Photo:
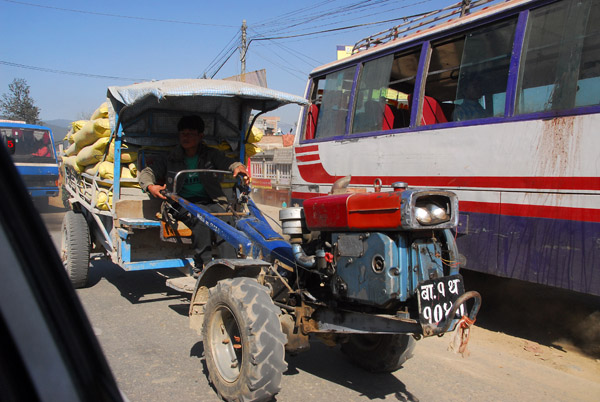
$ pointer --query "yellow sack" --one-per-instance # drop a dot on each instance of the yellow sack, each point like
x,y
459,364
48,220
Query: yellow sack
x,y
92,154
91,131
106,170
72,150
104,200
70,161
101,112
256,135
76,125
133,169
126,156
69,136
224,146
252,150
91,169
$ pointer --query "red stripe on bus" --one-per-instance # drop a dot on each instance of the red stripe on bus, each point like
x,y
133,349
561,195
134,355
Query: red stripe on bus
x,y
558,183
308,158
316,174
309,148
522,210
298,195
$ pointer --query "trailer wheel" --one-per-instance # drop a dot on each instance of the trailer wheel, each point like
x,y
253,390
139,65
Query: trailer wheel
x,y
379,353
243,341
75,248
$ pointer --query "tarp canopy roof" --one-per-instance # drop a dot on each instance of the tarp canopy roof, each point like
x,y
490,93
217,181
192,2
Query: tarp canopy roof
x,y
149,111
194,96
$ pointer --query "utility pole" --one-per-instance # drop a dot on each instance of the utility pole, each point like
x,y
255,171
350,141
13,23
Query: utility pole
x,y
243,48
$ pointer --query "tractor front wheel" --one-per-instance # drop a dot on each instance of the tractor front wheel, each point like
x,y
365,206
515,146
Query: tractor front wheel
x,y
243,341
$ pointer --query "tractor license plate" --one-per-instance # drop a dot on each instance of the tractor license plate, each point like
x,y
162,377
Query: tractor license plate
x,y
436,297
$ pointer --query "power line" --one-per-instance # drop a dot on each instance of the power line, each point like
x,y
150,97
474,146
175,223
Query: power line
x,y
285,68
232,52
224,53
50,70
338,14
364,9
116,15
339,28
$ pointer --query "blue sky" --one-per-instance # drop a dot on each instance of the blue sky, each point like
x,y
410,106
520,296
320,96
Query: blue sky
x,y
61,46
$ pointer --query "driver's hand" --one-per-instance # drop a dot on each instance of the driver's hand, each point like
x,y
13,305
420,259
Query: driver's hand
x,y
156,190
242,170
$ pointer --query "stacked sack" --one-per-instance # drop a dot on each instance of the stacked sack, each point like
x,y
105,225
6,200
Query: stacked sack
x,y
89,140
255,136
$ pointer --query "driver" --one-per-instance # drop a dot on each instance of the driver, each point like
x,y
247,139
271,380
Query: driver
x,y
203,189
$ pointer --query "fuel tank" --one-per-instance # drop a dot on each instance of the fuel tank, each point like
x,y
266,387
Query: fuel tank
x,y
355,211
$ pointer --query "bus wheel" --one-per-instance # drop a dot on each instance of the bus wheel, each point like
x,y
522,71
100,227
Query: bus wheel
x,y
379,353
75,248
243,341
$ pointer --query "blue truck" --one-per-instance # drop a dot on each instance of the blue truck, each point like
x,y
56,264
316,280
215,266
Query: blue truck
x,y
34,155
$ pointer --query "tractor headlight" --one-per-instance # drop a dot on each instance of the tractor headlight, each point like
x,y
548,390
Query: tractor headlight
x,y
430,213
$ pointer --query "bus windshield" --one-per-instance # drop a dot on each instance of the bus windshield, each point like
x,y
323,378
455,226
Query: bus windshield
x,y
31,145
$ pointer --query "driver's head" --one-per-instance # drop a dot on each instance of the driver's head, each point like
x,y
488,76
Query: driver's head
x,y
191,131
191,123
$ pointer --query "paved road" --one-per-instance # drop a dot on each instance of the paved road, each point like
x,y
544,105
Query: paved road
x,y
143,328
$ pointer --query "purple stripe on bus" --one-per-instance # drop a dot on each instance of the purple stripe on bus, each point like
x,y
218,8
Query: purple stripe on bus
x,y
550,252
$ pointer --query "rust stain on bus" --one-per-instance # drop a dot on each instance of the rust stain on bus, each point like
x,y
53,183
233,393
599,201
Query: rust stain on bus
x,y
558,147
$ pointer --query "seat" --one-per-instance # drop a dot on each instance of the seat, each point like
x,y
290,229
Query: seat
x,y
388,118
432,112
311,122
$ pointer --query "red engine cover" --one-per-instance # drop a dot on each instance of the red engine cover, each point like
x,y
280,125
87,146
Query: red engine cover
x,y
354,211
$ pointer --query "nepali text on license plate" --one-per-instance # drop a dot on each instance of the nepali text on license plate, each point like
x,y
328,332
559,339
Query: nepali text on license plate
x,y
436,297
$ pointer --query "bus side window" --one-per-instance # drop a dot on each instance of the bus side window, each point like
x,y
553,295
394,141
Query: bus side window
x,y
468,75
559,62
384,87
331,95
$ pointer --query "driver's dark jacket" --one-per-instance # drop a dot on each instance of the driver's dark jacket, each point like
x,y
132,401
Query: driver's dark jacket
x,y
208,158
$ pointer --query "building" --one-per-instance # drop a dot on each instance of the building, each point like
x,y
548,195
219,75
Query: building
x,y
271,170
268,124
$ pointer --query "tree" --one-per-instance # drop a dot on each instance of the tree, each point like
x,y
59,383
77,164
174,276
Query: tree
x,y
18,105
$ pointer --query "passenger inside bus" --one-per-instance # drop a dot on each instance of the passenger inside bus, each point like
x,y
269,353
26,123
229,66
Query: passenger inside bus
x,y
471,92
42,144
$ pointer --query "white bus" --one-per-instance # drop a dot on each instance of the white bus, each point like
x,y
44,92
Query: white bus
x,y
500,105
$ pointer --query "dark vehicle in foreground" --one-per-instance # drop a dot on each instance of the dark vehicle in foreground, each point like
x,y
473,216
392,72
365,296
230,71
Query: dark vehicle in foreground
x,y
49,351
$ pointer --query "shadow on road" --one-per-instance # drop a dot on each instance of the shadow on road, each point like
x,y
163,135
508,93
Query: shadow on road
x,y
331,365
49,208
135,285
549,316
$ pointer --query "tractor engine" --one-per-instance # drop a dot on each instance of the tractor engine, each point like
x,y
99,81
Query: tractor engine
x,y
373,248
